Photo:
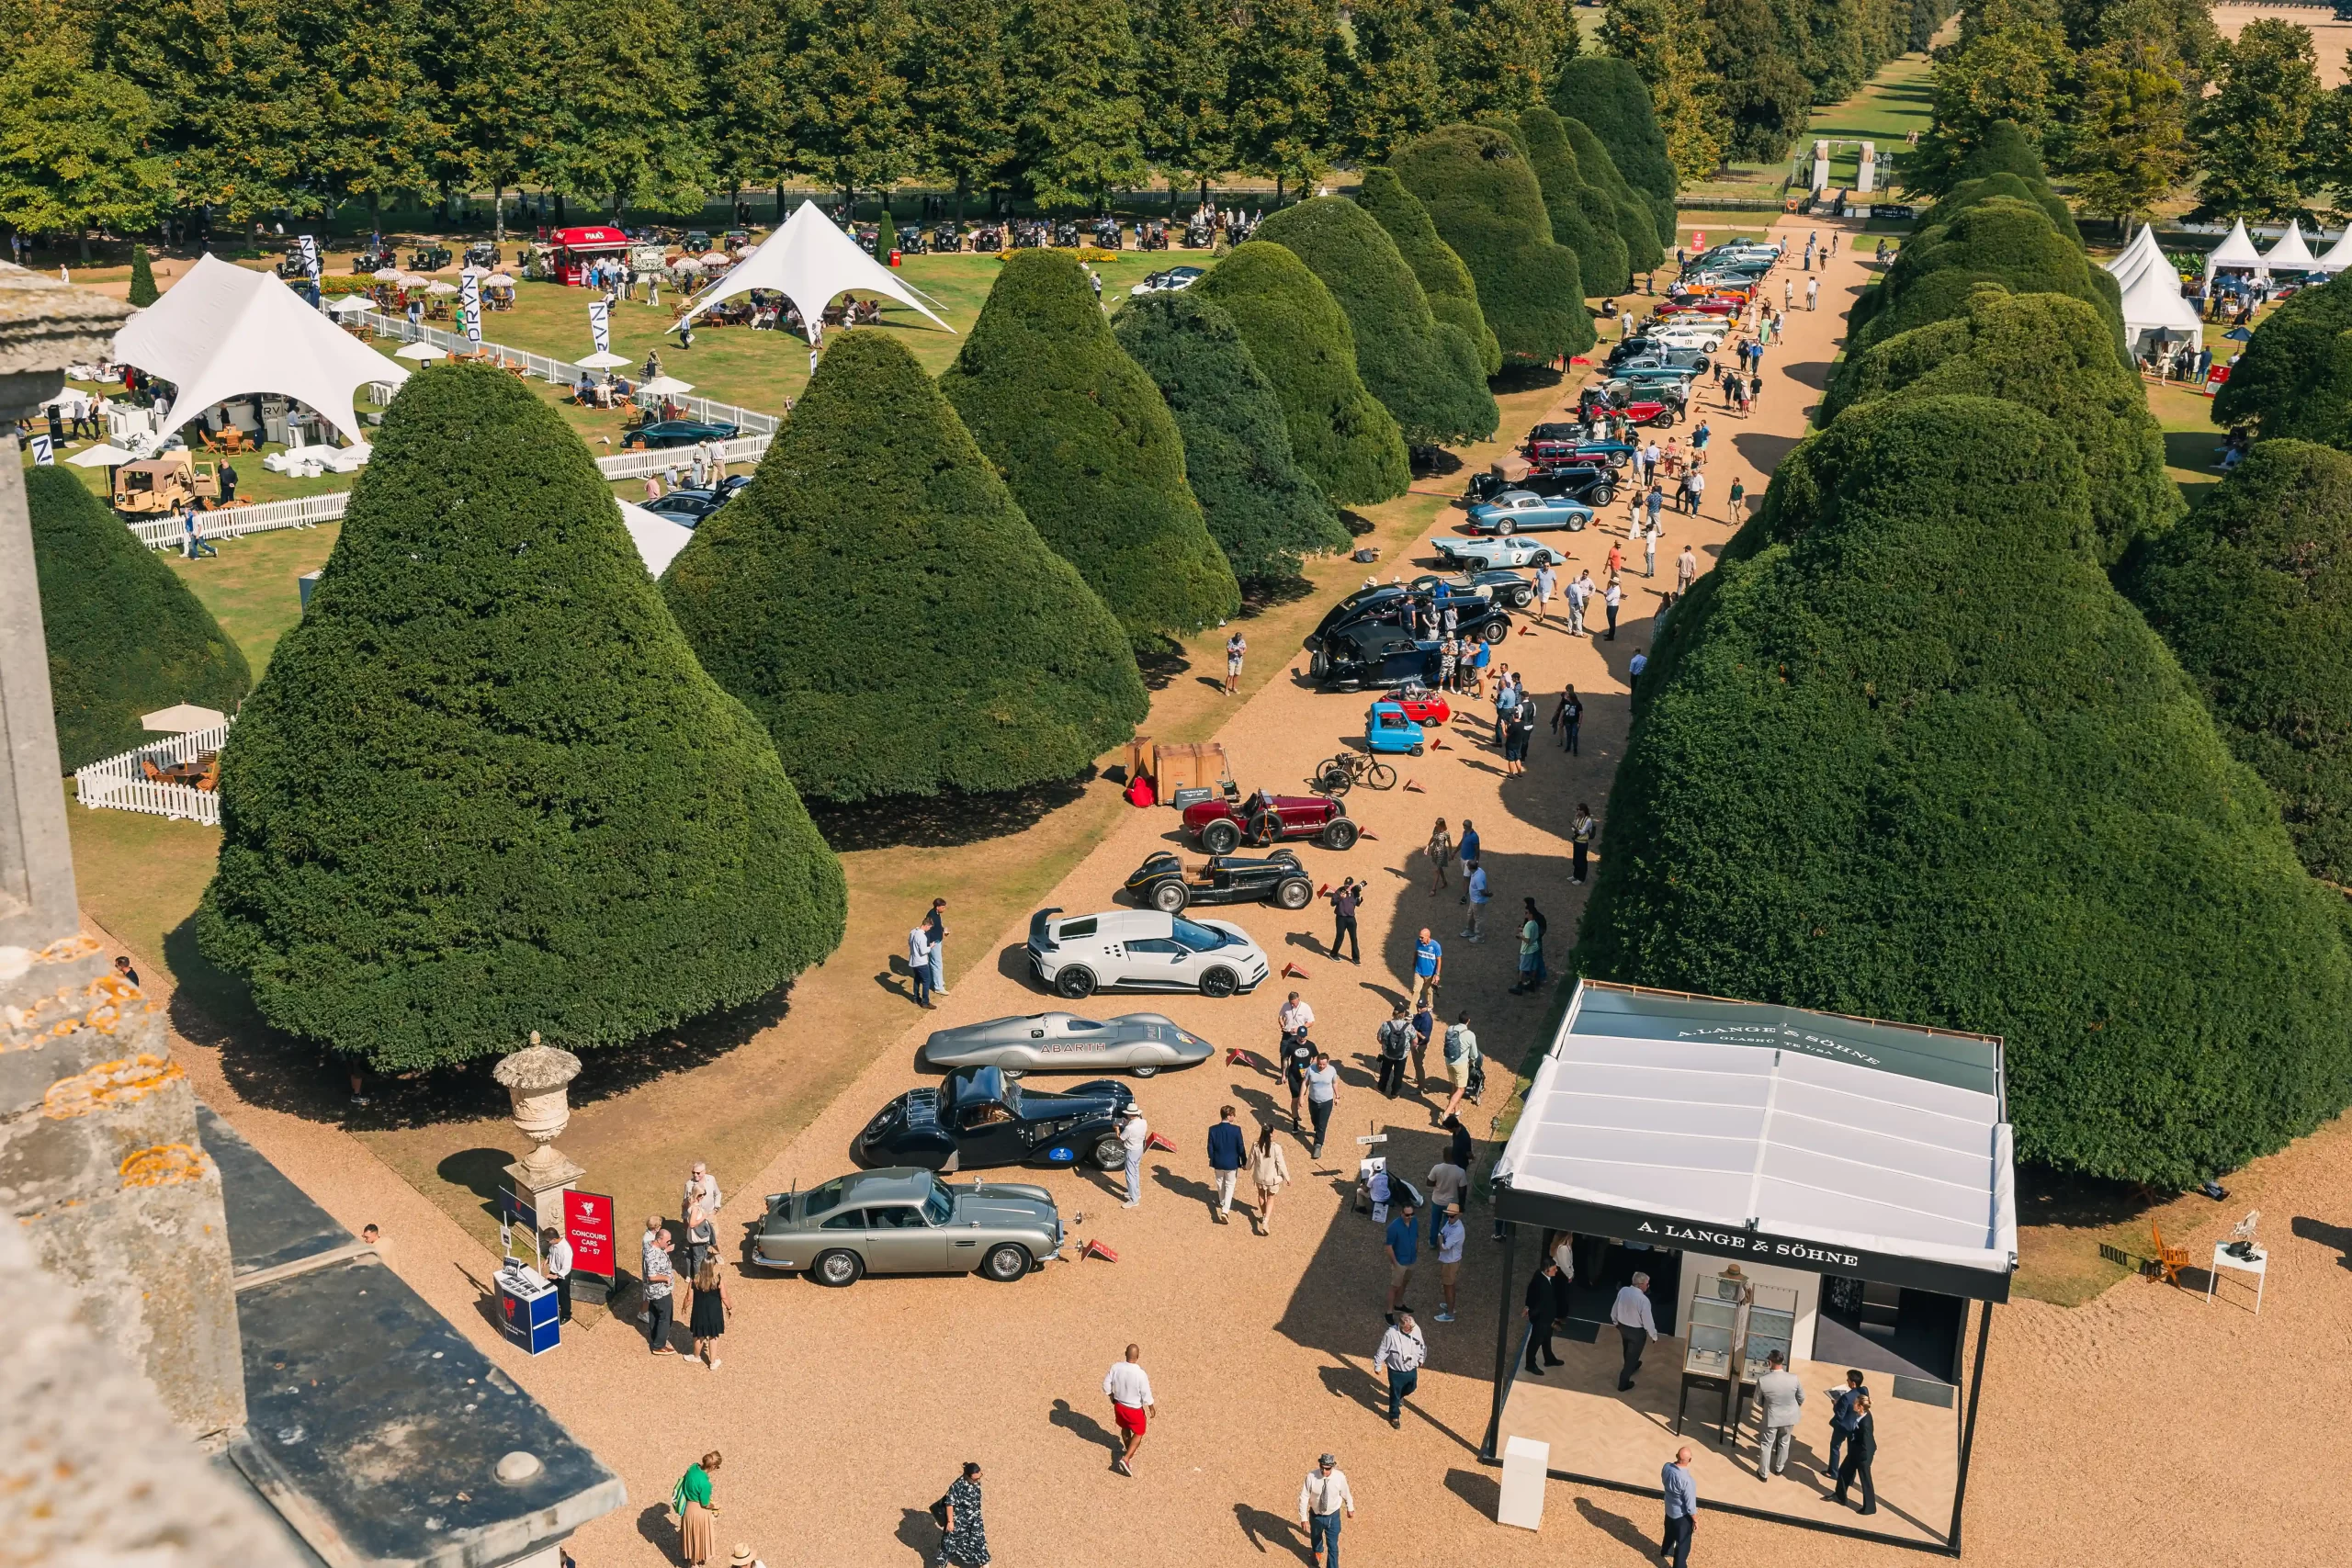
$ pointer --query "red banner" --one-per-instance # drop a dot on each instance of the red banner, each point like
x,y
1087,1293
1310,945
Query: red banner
x,y
588,1226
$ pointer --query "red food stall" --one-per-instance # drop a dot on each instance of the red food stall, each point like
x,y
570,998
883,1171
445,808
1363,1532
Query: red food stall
x,y
575,248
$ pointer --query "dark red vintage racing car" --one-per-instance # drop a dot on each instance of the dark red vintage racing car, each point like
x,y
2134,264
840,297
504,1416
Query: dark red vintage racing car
x,y
1261,818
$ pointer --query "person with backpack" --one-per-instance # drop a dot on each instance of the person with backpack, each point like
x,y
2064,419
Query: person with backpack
x,y
1462,1064
1395,1039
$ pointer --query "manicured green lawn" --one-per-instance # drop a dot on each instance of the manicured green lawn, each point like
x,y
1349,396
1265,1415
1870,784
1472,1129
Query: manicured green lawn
x,y
1886,110
251,586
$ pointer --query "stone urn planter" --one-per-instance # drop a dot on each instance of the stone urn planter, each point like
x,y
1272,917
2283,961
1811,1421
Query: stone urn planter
x,y
537,1078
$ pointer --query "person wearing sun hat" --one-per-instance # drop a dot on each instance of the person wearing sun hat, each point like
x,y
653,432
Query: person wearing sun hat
x,y
744,1558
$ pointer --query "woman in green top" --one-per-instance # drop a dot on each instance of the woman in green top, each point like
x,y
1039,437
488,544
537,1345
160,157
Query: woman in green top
x,y
694,1510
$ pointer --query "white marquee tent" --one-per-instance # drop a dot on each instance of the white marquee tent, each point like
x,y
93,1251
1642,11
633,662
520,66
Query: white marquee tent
x,y
2337,257
2138,257
2236,249
808,261
225,331
2289,255
658,539
2153,302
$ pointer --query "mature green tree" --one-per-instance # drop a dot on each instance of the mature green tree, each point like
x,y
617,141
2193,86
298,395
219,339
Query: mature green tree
x,y
1388,79
1341,433
1424,372
1184,54
1762,99
1663,43
493,99
1584,216
1263,508
230,95
1278,91
2295,379
748,115
622,128
1486,204
1645,246
2254,595
1608,94
484,788
1074,81
1501,55
2055,355
1913,757
74,150
2133,143
364,124
847,105
1452,292
1090,449
2255,151
125,635
143,291
959,94
2011,75
877,600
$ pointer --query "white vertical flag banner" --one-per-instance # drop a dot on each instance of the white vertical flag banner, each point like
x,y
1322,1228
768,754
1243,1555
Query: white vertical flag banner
x,y
600,325
44,452
470,305
309,255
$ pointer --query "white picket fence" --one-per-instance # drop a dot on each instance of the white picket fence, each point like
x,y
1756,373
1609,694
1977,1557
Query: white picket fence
x,y
168,534
121,784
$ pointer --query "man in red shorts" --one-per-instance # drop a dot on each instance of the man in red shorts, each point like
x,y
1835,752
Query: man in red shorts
x,y
1130,1393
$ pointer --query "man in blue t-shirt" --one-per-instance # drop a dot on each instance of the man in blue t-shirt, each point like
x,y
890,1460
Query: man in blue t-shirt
x,y
1404,1247
1429,967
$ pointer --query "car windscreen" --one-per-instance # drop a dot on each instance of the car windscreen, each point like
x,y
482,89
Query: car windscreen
x,y
939,1207
1198,938
826,1198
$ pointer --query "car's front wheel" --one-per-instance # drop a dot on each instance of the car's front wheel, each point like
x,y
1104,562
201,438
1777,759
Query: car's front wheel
x,y
1221,837
1074,981
1523,598
1006,1264
1602,496
1416,749
1219,982
1295,894
837,1269
1144,1070
1111,1155
1339,834
1494,631
1169,898
1504,527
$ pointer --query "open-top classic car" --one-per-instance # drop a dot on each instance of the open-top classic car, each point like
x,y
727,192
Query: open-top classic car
x,y
1223,823
977,1119
1139,1043
1164,881
907,1220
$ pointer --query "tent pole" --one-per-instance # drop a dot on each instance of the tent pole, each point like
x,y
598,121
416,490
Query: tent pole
x,y
1968,1430
1503,1357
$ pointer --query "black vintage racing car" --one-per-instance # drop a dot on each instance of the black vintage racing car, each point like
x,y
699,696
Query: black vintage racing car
x,y
1165,882
978,1119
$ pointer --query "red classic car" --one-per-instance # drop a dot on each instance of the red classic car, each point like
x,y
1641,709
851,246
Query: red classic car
x,y
1262,817
1422,706
1704,305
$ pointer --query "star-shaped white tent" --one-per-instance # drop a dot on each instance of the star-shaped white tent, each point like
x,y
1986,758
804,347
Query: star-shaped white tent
x,y
811,262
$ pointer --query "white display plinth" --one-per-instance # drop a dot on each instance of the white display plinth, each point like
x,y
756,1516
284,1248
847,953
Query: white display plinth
x,y
1525,1465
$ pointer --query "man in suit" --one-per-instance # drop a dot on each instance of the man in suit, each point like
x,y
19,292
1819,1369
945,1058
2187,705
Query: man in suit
x,y
1841,1416
1542,1295
1860,1450
1779,1397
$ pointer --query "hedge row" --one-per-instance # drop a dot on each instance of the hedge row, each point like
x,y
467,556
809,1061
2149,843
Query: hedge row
x,y
1911,756
1485,203
1584,216
878,600
125,635
1452,292
484,787
1635,224
1609,95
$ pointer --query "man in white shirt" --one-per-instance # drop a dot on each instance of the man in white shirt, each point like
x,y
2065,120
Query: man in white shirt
x,y
555,1256
1322,1502
1636,1327
1402,1351
1131,1406
701,1188
1450,1237
1132,1133
918,964
1294,1020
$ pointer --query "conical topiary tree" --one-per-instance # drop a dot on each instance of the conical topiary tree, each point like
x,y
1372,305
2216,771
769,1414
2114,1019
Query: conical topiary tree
x,y
484,788
1341,436
1453,293
2000,241
1609,95
1261,506
1090,451
1423,371
1645,248
2253,591
1485,201
886,235
125,635
1915,758
1584,216
2295,377
877,600
2053,353
143,292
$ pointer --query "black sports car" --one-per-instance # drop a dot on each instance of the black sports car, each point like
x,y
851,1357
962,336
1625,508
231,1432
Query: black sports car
x,y
1595,486
1165,882
978,1119
1507,587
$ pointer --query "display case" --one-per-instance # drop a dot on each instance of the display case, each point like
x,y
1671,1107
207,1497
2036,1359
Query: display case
x,y
1712,1336
1771,1325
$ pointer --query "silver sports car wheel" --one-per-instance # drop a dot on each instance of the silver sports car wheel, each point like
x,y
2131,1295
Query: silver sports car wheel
x,y
1143,1072
1006,1264
836,1268
1111,1155
1169,898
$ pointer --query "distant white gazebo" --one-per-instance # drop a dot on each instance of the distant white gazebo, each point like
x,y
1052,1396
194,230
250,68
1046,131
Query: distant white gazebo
x,y
2236,250
2289,258
2338,256
811,263
2152,305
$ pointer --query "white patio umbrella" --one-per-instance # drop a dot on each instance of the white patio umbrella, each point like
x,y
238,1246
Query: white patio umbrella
x,y
420,351
351,305
667,387
102,456
717,261
389,275
498,280
183,719
602,359
441,286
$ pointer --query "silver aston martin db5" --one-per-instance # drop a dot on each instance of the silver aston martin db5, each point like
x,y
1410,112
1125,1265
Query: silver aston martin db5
x,y
904,1221
1137,1043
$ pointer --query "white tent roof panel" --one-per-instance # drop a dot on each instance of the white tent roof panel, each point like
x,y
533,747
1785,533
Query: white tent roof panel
x,y
2338,256
657,538
810,262
2289,254
2236,249
1764,1124
2138,257
225,331
2153,301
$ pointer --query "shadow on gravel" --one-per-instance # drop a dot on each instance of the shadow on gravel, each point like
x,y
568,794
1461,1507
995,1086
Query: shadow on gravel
x,y
947,820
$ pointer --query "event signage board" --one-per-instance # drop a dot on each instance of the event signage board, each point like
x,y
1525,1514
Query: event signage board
x,y
512,1211
1680,1235
600,326
588,1226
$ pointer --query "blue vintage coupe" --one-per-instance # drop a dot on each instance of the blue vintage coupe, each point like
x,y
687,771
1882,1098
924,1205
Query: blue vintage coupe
x,y
1524,511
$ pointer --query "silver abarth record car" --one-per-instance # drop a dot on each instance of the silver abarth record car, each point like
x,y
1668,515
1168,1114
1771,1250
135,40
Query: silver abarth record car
x,y
904,1221
1137,1043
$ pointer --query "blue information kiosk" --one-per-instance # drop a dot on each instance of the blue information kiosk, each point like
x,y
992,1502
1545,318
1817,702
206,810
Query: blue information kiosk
x,y
526,1307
